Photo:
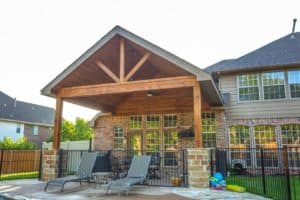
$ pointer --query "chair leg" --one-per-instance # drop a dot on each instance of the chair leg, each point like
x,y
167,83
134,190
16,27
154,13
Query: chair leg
x,y
62,187
107,188
45,189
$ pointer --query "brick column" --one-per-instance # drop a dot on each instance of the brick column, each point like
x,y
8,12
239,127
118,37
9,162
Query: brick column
x,y
198,167
221,131
49,165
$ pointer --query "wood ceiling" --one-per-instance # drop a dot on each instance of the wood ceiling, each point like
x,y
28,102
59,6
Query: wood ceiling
x,y
92,72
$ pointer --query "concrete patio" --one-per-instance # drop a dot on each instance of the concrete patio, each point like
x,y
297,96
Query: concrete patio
x,y
33,189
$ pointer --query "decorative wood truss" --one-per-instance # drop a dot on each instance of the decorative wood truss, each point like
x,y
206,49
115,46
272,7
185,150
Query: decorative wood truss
x,y
123,83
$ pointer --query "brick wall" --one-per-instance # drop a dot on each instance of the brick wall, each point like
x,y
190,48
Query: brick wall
x,y
44,133
103,129
198,167
49,165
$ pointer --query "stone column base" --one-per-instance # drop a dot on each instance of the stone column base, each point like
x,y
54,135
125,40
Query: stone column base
x,y
198,167
49,165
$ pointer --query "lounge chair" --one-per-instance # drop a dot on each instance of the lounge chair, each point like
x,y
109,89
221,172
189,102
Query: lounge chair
x,y
84,172
137,174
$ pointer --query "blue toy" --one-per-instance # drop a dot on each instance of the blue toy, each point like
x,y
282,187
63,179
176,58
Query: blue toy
x,y
217,181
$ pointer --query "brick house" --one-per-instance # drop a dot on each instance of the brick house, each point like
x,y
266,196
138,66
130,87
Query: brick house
x,y
21,119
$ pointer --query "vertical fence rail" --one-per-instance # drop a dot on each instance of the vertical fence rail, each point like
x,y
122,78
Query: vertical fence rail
x,y
263,171
287,170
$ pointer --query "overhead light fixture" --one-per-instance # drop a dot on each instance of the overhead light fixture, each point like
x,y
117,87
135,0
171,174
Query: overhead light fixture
x,y
149,94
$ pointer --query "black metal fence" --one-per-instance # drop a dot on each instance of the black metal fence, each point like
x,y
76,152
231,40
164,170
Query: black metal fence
x,y
273,173
19,164
167,168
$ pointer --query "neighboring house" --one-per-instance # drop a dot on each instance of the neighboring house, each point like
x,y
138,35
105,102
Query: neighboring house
x,y
262,93
18,119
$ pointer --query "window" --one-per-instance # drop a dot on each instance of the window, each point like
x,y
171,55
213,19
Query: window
x,y
265,136
18,129
273,85
239,137
152,121
170,121
153,141
118,137
34,130
294,83
170,145
248,87
135,122
290,134
209,129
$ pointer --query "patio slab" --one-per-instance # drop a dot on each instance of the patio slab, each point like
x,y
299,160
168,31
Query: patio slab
x,y
33,189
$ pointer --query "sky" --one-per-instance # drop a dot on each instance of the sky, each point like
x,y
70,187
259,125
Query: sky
x,y
39,38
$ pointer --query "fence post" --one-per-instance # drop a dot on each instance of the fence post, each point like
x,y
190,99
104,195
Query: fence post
x,y
1,162
263,171
211,162
286,165
41,164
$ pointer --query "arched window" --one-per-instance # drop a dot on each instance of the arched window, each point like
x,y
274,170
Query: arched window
x,y
290,134
265,136
239,136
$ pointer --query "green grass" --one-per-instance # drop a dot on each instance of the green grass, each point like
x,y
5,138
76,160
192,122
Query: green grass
x,y
276,186
21,175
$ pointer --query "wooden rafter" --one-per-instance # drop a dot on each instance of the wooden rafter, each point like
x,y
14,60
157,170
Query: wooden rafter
x,y
137,66
122,59
107,71
127,87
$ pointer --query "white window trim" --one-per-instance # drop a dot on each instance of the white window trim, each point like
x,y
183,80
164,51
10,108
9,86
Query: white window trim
x,y
238,88
262,85
287,83
121,148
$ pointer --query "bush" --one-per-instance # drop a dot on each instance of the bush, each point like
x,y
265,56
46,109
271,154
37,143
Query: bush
x,y
21,143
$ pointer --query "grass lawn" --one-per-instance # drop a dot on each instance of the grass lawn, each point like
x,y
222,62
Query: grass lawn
x,y
21,175
276,186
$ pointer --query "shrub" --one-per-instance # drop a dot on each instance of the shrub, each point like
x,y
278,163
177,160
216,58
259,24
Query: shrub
x,y
21,143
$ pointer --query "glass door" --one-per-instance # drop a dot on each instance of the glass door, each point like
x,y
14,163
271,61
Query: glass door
x,y
135,143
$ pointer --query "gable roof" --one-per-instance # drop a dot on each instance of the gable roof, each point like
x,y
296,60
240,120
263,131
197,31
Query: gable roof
x,y
14,110
284,51
117,30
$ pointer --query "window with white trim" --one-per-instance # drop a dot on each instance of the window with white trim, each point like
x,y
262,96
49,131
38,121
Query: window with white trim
x,y
294,83
18,129
290,134
273,85
248,87
239,136
135,122
152,121
170,121
152,141
118,137
34,130
209,129
265,136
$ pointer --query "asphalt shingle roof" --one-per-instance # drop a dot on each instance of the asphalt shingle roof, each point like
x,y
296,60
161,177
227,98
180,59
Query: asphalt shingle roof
x,y
284,51
11,109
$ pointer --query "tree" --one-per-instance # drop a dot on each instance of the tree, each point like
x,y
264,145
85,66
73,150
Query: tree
x,y
20,143
74,132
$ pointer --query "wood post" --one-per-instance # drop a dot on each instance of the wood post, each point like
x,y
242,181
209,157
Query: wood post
x,y
57,123
197,115
122,59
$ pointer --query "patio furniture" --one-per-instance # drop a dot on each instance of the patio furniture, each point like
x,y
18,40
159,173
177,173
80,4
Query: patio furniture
x,y
84,172
138,172
154,166
102,178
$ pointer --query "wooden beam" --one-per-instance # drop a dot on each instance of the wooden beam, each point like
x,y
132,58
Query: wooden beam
x,y
57,123
122,59
107,71
137,66
127,87
197,115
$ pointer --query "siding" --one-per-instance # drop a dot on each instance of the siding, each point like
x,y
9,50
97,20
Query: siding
x,y
8,129
258,109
